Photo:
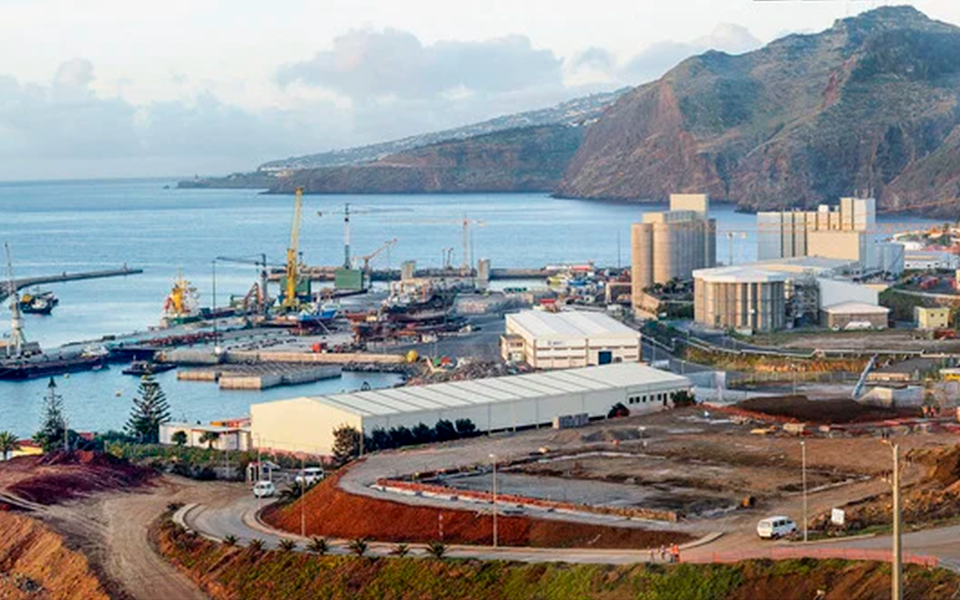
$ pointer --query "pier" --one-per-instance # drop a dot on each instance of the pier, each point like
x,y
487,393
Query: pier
x,y
7,288
323,273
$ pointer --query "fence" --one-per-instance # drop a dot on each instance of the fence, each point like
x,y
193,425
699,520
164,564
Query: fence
x,y
780,553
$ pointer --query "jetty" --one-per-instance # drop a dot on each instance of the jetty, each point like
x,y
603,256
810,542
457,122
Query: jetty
x,y
7,288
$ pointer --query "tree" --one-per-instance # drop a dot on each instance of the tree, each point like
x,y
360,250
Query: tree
x,y
466,428
53,426
437,550
318,545
683,398
422,434
379,440
346,444
400,437
358,546
288,545
400,550
445,431
179,438
8,444
209,438
150,410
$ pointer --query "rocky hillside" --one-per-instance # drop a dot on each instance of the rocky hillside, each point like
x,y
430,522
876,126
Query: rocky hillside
x,y
527,159
869,106
571,112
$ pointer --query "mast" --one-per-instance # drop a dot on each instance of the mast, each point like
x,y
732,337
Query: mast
x,y
15,346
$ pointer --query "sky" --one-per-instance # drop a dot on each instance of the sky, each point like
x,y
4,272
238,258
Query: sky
x,y
110,88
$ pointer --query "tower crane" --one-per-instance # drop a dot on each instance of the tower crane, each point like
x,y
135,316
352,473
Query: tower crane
x,y
263,298
15,344
466,266
346,212
290,300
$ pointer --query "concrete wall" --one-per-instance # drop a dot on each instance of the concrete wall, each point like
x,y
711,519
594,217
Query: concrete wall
x,y
298,425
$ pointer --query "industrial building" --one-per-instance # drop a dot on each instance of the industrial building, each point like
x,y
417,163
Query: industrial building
x,y
776,294
306,424
847,231
931,261
672,244
740,298
227,436
931,318
567,339
855,315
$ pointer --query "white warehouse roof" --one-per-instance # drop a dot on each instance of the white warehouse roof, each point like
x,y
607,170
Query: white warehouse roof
x,y
540,323
479,392
859,308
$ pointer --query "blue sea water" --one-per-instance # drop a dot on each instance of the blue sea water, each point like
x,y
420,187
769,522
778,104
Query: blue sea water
x,y
88,225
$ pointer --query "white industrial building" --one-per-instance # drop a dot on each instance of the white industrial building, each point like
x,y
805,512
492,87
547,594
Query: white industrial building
x,y
227,437
306,424
567,340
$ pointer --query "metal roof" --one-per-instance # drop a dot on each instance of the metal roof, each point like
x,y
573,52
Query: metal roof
x,y
541,323
480,392
860,308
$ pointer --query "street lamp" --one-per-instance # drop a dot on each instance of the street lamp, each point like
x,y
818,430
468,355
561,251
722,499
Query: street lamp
x,y
493,457
897,583
303,489
803,454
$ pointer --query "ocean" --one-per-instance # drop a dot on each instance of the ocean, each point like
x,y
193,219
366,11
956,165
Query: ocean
x,y
53,227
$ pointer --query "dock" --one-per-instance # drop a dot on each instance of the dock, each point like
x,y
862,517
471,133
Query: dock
x,y
259,376
7,288
321,273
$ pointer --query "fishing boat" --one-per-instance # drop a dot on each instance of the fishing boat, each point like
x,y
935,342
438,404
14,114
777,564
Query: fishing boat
x,y
38,303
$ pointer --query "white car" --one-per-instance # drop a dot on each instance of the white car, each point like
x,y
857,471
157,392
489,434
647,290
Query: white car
x,y
310,475
264,489
773,528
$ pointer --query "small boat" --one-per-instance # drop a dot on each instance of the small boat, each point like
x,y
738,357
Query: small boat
x,y
142,367
38,303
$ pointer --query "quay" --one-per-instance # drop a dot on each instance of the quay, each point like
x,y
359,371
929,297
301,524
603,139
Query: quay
x,y
323,273
7,288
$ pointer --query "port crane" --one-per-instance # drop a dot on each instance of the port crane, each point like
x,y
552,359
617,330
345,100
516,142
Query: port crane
x,y
16,341
290,299
369,257
466,266
263,300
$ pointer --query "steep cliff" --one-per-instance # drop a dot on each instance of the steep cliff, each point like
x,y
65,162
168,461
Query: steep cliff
x,y
527,159
868,106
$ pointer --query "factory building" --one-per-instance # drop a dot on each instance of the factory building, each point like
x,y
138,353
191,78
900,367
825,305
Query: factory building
x,y
672,244
845,232
306,424
567,339
740,298
855,315
931,318
776,294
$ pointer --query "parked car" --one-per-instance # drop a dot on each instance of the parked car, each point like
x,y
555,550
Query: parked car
x,y
773,528
310,475
264,489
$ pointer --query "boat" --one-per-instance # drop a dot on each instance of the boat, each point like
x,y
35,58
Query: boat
x,y
38,303
180,305
144,367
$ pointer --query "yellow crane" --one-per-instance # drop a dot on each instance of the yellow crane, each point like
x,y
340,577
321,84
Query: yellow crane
x,y
290,300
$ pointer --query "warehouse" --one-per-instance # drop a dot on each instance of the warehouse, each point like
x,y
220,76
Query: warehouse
x,y
854,315
567,340
306,424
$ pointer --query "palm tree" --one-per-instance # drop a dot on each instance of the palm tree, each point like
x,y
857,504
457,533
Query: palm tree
x,y
288,545
256,545
400,550
8,444
179,438
437,550
359,546
230,540
209,438
318,545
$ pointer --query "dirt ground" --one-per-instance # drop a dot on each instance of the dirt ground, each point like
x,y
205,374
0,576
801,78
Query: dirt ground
x,y
822,412
890,339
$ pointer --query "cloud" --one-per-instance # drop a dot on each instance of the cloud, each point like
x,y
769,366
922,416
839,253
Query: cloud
x,y
659,58
367,64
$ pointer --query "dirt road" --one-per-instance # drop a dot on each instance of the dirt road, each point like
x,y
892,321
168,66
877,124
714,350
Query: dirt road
x,y
112,530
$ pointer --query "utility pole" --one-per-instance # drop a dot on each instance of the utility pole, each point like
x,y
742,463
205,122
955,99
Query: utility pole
x,y
803,453
303,488
494,458
897,548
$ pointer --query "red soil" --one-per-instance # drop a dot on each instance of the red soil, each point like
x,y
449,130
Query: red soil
x,y
331,512
54,478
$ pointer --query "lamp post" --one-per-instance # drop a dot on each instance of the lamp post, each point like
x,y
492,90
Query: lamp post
x,y
803,454
897,591
303,488
493,457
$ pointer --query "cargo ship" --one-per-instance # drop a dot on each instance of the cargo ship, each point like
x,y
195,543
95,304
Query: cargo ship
x,y
180,305
44,365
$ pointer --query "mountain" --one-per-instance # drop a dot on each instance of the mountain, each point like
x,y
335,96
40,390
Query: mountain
x,y
572,112
868,106
528,159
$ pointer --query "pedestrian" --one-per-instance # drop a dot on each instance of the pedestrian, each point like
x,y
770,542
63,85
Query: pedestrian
x,y
653,555
675,551
663,553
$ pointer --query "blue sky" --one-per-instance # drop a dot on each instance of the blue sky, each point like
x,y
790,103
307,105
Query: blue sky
x,y
108,88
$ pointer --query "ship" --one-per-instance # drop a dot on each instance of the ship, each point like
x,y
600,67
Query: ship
x,y
144,367
180,305
426,310
38,303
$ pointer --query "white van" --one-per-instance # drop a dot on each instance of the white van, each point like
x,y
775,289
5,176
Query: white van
x,y
310,475
264,489
773,528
